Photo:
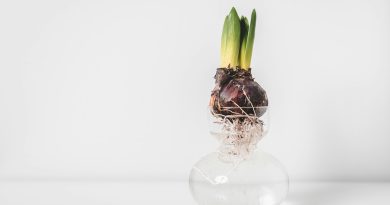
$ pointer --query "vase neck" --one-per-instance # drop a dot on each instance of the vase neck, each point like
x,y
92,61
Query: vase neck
x,y
239,139
237,149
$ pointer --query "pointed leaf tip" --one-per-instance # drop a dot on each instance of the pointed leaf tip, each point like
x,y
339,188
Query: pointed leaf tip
x,y
233,10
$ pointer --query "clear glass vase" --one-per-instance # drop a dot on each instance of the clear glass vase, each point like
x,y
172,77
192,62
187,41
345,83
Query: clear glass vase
x,y
238,172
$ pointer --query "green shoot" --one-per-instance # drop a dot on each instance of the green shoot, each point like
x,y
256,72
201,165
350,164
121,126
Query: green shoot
x,y
244,38
247,43
230,43
237,40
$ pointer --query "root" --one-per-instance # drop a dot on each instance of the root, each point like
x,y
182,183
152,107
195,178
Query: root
x,y
239,135
246,96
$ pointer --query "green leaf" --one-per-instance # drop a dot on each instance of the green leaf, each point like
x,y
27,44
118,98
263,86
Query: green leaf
x,y
224,37
244,37
230,41
245,58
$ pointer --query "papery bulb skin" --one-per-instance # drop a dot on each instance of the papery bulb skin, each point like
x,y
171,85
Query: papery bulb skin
x,y
237,93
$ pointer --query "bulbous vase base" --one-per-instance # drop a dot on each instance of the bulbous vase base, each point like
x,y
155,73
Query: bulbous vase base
x,y
258,180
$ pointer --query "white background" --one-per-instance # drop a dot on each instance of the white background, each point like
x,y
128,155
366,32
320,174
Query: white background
x,y
119,89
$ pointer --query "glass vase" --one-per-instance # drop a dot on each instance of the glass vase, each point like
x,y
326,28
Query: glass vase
x,y
239,172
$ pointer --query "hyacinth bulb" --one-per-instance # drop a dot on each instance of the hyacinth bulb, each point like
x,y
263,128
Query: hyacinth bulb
x,y
237,93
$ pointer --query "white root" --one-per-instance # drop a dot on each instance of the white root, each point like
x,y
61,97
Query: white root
x,y
239,135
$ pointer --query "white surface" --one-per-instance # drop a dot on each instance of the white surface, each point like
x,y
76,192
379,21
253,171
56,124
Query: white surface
x,y
120,88
338,193
147,193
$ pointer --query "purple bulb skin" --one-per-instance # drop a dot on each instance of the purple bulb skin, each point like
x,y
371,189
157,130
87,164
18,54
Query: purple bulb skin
x,y
237,93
